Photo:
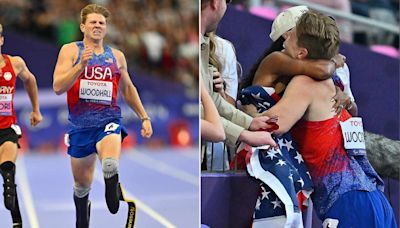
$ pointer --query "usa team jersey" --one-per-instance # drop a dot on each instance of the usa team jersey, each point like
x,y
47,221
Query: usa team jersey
x,y
334,170
92,100
7,89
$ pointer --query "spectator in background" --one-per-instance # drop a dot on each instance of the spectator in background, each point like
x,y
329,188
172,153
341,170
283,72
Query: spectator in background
x,y
225,82
13,11
210,123
379,10
386,11
66,23
223,58
235,122
154,44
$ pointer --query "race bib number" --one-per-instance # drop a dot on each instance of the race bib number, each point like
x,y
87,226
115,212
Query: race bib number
x,y
96,91
353,133
5,104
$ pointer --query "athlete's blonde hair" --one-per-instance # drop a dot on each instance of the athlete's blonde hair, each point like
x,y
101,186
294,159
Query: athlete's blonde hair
x,y
319,34
93,8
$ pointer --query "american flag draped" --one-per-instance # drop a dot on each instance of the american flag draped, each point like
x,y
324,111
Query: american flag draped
x,y
285,182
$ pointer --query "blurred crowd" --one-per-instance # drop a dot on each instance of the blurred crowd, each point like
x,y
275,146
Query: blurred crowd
x,y
385,11
158,36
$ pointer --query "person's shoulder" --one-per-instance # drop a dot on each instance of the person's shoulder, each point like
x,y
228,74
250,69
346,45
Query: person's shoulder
x,y
117,53
273,59
300,80
69,48
311,86
116,50
276,56
225,44
223,41
70,45
16,60
17,63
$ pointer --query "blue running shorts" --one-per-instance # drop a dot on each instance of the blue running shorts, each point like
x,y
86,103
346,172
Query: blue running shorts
x,y
364,209
82,142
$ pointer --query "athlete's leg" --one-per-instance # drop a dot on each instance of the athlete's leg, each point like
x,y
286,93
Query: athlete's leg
x,y
8,152
109,149
8,156
82,170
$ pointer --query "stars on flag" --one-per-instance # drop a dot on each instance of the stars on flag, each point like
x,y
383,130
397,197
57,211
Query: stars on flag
x,y
298,157
264,193
256,96
288,144
281,162
276,203
272,153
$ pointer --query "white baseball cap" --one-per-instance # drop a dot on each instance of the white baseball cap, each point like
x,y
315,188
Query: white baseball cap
x,y
286,20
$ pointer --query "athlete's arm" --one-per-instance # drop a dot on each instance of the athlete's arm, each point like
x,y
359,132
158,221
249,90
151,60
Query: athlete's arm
x,y
211,125
249,109
65,73
279,64
131,95
293,105
30,86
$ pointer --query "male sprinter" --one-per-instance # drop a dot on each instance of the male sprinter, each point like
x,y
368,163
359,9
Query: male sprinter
x,y
10,68
91,73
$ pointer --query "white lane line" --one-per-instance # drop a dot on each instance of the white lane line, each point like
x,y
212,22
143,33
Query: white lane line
x,y
191,155
164,168
26,192
140,205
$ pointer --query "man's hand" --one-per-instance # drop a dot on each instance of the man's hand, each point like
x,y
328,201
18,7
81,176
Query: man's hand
x,y
342,101
86,55
257,138
218,82
35,118
147,130
262,122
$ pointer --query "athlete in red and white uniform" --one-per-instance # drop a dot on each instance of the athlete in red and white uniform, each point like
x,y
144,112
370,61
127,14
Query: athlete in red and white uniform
x,y
11,68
